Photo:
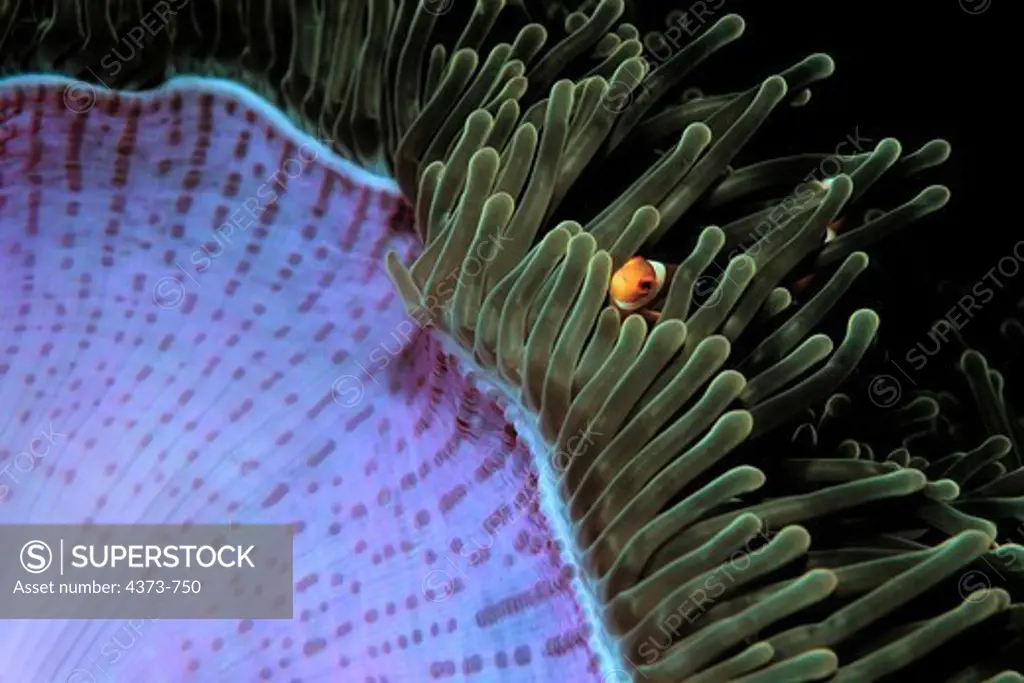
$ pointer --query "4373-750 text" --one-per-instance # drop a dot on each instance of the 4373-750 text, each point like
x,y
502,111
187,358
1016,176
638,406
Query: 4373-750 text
x,y
160,586
138,587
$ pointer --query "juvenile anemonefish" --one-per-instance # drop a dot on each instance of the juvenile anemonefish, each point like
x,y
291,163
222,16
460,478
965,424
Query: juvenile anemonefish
x,y
832,231
639,287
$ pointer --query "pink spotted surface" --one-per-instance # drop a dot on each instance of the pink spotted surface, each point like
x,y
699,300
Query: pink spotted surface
x,y
263,372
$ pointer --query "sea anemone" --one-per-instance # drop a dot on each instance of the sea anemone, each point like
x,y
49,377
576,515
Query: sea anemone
x,y
651,524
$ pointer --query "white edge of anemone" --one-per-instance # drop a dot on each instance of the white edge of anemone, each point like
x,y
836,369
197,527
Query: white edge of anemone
x,y
219,86
610,660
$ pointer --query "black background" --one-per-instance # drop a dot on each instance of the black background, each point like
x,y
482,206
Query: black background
x,y
913,71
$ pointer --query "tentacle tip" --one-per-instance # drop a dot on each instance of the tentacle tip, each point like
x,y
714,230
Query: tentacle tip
x,y
824,340
950,487
759,477
828,579
697,128
740,420
935,196
840,184
827,660
919,478
565,85
801,99
480,117
944,148
647,211
799,534
864,317
712,232
392,260
828,64
696,134
1002,442
979,539
731,375
501,196
858,261
887,143
734,23
972,357
775,86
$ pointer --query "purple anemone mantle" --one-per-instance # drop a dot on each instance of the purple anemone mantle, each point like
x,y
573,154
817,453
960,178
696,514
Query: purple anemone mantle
x,y
194,306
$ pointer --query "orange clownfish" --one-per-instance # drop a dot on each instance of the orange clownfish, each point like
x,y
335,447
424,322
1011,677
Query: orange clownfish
x,y
638,285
